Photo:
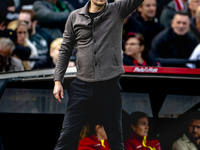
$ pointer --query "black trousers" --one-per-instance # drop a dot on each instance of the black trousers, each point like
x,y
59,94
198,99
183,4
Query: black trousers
x,y
103,96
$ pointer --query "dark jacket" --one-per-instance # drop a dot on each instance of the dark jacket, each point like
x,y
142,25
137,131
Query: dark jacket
x,y
194,30
49,19
151,29
130,61
44,63
168,45
99,46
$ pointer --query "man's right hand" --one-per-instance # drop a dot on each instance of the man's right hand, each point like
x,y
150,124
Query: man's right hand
x,y
58,91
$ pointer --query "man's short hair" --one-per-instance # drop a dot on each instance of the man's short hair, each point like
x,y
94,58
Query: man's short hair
x,y
31,12
193,115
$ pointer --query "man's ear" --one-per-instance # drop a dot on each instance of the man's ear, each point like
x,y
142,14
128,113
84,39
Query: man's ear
x,y
139,9
172,22
35,22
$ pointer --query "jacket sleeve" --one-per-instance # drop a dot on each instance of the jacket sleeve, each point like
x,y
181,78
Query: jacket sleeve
x,y
65,51
179,145
126,7
47,15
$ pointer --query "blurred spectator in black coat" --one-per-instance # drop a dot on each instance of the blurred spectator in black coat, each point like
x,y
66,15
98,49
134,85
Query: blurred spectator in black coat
x,y
173,43
8,10
147,16
52,15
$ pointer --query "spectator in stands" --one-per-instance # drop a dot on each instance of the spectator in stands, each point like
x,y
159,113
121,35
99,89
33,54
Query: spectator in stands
x,y
139,136
23,4
147,16
4,32
24,43
192,6
170,9
175,42
8,9
177,5
35,33
131,24
134,47
191,138
7,61
195,24
52,15
50,62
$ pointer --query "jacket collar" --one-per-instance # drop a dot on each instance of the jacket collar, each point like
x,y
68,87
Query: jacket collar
x,y
185,138
84,9
138,138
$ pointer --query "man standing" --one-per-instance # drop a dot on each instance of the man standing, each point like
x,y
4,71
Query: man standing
x,y
96,29
191,138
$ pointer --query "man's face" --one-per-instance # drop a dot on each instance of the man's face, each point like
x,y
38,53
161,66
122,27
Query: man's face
x,y
99,2
26,18
194,128
193,5
4,54
180,24
148,9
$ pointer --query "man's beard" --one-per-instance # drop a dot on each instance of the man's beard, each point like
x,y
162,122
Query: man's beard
x,y
30,31
193,139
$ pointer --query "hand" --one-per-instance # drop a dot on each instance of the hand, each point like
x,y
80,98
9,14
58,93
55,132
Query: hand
x,y
11,8
58,91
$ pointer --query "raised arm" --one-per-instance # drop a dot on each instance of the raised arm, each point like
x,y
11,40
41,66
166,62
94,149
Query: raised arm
x,y
126,7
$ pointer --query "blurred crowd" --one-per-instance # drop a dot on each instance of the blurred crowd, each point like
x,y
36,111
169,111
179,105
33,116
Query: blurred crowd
x,y
158,33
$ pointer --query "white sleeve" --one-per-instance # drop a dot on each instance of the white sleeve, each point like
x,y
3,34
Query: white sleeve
x,y
194,56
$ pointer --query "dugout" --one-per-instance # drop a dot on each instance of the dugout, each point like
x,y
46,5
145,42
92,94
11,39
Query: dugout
x,y
31,118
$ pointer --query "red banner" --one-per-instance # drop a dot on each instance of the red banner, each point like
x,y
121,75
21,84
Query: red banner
x,y
161,70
